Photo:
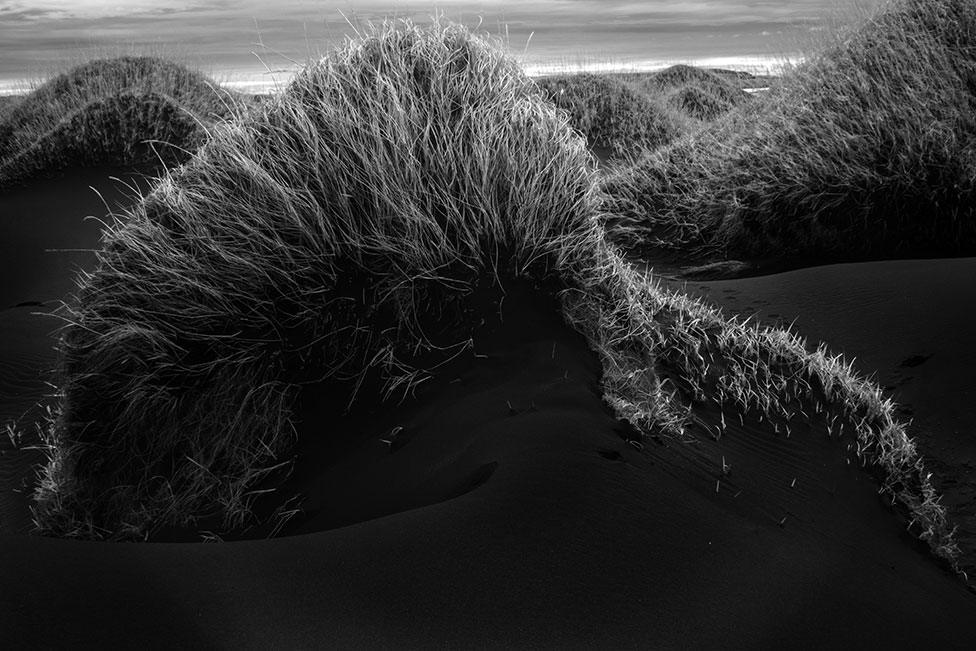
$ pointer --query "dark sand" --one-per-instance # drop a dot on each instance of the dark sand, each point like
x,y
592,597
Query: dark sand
x,y
910,324
46,238
511,510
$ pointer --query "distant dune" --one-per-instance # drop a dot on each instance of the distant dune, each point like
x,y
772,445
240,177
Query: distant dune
x,y
613,116
124,111
864,150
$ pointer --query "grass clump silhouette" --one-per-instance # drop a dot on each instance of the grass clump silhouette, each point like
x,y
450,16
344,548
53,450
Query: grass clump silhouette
x,y
867,149
339,231
612,115
107,111
309,239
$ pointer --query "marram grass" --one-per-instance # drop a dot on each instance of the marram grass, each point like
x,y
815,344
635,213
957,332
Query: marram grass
x,y
666,356
316,236
699,103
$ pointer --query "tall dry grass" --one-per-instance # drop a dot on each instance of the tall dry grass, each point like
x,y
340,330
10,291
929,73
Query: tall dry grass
x,y
311,239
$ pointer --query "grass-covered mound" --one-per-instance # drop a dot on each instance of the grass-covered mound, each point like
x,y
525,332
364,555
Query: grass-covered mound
x,y
116,130
612,115
699,103
342,232
313,239
680,370
675,78
868,149
109,111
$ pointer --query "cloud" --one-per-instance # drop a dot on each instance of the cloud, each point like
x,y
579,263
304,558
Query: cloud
x,y
59,10
224,32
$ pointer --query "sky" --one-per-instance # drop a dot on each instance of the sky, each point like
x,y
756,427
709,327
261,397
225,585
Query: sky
x,y
259,42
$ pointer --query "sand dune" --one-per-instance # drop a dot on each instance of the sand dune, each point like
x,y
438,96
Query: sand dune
x,y
122,111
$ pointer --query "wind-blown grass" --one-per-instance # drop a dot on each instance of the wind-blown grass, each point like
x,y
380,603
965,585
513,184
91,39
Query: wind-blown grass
x,y
611,114
867,149
666,356
339,232
110,110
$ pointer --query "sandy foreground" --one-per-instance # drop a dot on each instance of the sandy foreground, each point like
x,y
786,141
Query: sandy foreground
x,y
511,508
909,323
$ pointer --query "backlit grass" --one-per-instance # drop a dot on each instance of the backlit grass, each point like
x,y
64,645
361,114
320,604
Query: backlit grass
x,y
667,357
312,239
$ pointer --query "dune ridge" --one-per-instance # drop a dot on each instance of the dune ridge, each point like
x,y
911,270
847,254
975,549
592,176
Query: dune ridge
x,y
699,103
625,115
700,93
125,129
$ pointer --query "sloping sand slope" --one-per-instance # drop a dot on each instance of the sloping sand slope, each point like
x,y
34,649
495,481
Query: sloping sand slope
x,y
46,238
911,323
511,510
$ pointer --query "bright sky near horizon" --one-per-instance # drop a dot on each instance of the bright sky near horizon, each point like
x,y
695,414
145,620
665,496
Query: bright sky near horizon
x,y
237,40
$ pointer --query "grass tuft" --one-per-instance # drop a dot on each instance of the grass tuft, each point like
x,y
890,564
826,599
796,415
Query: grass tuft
x,y
678,77
312,238
668,358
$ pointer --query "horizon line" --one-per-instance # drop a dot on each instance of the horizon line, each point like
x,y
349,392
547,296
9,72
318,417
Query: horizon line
x,y
263,83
